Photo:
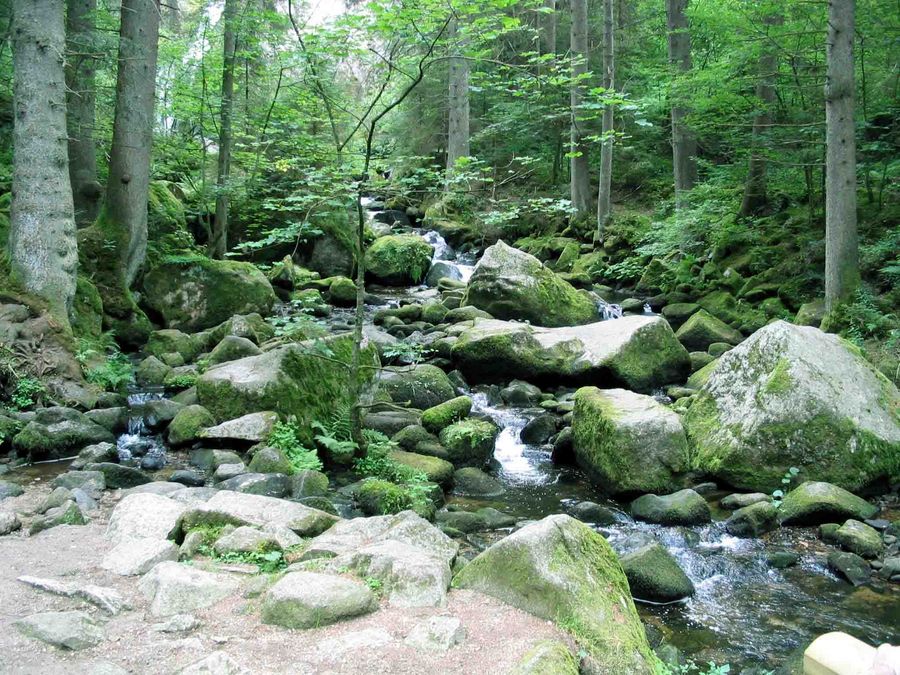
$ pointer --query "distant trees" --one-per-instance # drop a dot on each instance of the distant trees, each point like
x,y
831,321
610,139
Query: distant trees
x,y
684,144
580,183
604,195
218,244
457,103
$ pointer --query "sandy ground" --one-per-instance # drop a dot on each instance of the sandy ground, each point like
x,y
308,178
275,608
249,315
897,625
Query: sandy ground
x,y
497,636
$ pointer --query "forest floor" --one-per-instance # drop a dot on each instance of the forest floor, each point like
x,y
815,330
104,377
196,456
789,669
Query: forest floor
x,y
497,636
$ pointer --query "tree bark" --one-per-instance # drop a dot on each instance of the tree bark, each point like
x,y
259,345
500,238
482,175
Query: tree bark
x,y
684,144
841,242
80,103
755,192
125,209
604,197
42,246
580,184
458,107
219,243
547,22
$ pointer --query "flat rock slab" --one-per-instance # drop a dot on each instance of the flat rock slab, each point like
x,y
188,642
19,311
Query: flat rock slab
x,y
309,600
144,516
66,630
252,428
107,599
226,507
178,589
135,557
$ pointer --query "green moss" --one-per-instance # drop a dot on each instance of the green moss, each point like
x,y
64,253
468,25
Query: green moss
x,y
444,414
779,381
657,357
187,424
699,379
470,441
87,321
547,657
399,259
380,497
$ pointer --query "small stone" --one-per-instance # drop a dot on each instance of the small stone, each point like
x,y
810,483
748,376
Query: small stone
x,y
753,520
850,566
245,540
217,663
9,522
227,471
188,478
66,630
589,512
782,559
654,575
308,599
738,501
67,514
685,507
180,623
439,633
859,538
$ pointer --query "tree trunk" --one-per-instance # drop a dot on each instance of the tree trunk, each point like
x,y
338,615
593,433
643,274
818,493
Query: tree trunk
x,y
458,107
755,192
580,187
42,246
604,197
684,145
841,244
80,96
219,243
547,23
125,209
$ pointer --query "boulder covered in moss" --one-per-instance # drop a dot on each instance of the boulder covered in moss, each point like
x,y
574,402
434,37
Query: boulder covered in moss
x,y
703,329
192,293
58,432
628,442
654,575
470,442
173,341
399,260
377,497
817,502
511,284
684,507
422,386
444,414
435,469
187,424
290,380
560,570
793,396
342,292
87,309
640,353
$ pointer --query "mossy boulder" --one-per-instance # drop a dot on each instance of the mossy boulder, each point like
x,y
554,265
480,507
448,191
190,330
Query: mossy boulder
x,y
152,372
270,460
435,469
511,284
469,442
473,482
193,293
58,432
640,353
399,260
753,520
251,326
654,575
811,313
87,309
859,538
684,507
438,417
547,657
377,497
342,292
232,348
560,570
793,396
422,386
290,380
703,329
173,341
628,442
167,229
187,424
679,312
817,502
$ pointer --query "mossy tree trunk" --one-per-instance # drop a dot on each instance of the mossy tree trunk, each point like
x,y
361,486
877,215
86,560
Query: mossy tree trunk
x,y
219,243
841,239
580,183
42,245
684,144
80,100
124,214
604,196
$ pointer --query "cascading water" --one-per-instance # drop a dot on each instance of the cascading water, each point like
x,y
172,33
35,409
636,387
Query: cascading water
x,y
139,442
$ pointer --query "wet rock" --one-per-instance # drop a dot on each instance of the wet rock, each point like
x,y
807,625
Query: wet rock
x,y
270,460
470,442
153,462
173,588
811,503
628,442
849,566
308,483
211,460
684,507
654,575
265,484
8,490
539,429
391,422
308,600
584,585
134,557
703,329
66,630
399,260
66,514
438,633
58,432
738,501
753,520
890,569
781,560
172,341
246,540
422,386
232,348
158,414
188,478
94,454
57,498
677,313
188,423
411,436
472,482
441,269
143,516
9,523
249,429
637,352
225,471
793,396
589,512
564,447
119,476
860,539
444,414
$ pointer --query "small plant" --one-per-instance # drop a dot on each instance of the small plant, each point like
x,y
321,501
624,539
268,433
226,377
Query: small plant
x,y
103,364
182,381
375,585
407,352
27,393
284,436
786,480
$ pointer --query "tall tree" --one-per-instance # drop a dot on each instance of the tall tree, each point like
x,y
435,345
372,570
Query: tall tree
x,y
684,144
755,191
218,245
580,183
42,246
547,28
125,208
458,104
841,241
80,102
604,196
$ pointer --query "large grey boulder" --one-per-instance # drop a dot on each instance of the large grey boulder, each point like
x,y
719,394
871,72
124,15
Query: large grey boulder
x,y
58,432
265,484
511,284
793,396
422,386
66,630
173,588
560,570
636,352
628,442
250,428
138,556
816,502
310,600
235,508
143,516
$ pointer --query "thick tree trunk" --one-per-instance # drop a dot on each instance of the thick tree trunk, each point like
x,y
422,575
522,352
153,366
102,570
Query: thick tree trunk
x,y
219,243
755,192
547,28
80,67
841,243
580,187
684,145
604,197
458,108
42,246
125,209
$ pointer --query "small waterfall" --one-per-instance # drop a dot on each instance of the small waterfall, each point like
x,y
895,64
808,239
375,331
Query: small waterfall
x,y
609,311
464,263
139,442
